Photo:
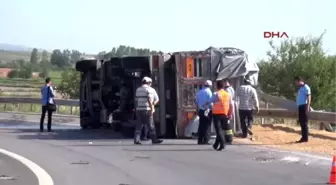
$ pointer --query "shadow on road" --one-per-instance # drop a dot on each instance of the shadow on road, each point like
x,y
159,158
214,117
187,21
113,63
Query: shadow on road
x,y
68,134
172,150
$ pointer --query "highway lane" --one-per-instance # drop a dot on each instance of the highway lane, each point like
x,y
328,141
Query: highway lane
x,y
72,156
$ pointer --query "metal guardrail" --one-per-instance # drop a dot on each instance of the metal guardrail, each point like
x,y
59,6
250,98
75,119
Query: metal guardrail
x,y
329,117
63,102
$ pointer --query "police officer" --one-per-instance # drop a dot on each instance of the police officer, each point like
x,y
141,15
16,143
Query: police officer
x,y
221,113
203,96
146,99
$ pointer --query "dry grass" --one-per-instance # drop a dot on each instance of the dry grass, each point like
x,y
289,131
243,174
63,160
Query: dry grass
x,y
284,137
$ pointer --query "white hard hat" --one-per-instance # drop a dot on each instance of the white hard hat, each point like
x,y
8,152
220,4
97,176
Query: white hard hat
x,y
147,79
208,83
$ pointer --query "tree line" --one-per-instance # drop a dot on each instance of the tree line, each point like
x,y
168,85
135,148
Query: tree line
x,y
57,60
303,57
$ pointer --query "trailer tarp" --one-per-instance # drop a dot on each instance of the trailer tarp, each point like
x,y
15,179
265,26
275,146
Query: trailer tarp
x,y
232,63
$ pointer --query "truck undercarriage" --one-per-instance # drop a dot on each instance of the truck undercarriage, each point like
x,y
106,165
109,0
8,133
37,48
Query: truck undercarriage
x,y
108,89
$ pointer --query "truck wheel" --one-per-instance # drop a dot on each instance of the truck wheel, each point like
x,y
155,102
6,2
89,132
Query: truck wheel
x,y
83,123
86,65
84,127
96,126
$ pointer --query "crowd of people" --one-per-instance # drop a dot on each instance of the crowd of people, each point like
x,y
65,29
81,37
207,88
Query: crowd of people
x,y
212,107
218,108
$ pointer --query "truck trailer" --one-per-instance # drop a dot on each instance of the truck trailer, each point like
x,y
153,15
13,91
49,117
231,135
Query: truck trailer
x,y
108,86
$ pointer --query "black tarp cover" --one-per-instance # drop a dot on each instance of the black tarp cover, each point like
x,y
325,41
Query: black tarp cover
x,y
232,63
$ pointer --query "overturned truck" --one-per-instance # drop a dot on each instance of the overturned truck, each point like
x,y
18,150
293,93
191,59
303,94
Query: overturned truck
x,y
108,86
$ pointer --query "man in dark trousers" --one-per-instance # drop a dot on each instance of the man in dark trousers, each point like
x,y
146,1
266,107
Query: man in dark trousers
x,y
303,100
48,94
204,112
248,101
146,98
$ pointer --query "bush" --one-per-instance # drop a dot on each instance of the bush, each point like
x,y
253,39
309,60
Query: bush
x,y
14,74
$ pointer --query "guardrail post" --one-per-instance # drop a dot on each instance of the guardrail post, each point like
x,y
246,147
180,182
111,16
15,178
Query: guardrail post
x,y
71,110
263,119
5,106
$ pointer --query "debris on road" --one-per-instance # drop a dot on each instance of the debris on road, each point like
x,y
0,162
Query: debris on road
x,y
81,162
264,159
5,177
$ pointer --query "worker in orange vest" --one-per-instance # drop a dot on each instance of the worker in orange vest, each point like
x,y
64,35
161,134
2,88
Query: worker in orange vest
x,y
222,112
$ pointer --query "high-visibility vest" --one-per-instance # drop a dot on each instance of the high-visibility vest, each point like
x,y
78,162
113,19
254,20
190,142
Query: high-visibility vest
x,y
222,106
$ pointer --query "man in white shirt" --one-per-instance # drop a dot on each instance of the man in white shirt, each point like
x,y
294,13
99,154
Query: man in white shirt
x,y
248,101
146,98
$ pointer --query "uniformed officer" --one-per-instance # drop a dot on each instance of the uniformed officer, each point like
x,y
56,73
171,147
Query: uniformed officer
x,y
146,99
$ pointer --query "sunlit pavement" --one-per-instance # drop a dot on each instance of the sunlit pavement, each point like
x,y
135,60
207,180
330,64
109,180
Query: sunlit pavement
x,y
74,156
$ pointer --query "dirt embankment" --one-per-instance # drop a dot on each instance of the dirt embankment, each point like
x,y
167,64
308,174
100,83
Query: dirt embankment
x,y
284,137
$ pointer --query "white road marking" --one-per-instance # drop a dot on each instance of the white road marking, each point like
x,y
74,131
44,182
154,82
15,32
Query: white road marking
x,y
291,159
43,177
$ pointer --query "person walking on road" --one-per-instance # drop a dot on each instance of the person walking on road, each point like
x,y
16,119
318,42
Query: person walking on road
x,y
146,99
228,129
204,112
221,112
248,101
303,100
48,103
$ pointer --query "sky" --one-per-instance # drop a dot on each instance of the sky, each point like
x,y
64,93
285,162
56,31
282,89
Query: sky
x,y
92,26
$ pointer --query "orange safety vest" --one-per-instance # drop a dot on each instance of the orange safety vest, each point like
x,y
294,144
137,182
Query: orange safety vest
x,y
222,106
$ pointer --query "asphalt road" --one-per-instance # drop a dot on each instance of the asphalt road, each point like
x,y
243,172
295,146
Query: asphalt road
x,y
72,156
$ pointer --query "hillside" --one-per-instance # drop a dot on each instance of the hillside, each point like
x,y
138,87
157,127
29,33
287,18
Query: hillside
x,y
12,47
9,56
9,52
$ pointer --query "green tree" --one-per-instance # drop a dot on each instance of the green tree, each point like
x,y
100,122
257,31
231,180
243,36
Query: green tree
x,y
70,83
75,56
44,72
57,58
33,56
14,74
45,57
304,57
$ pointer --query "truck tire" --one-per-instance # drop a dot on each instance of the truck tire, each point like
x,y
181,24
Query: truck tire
x,y
90,122
86,65
84,123
84,127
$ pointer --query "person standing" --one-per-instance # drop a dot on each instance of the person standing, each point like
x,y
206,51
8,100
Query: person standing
x,y
228,128
146,99
248,101
48,103
221,112
204,112
303,100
